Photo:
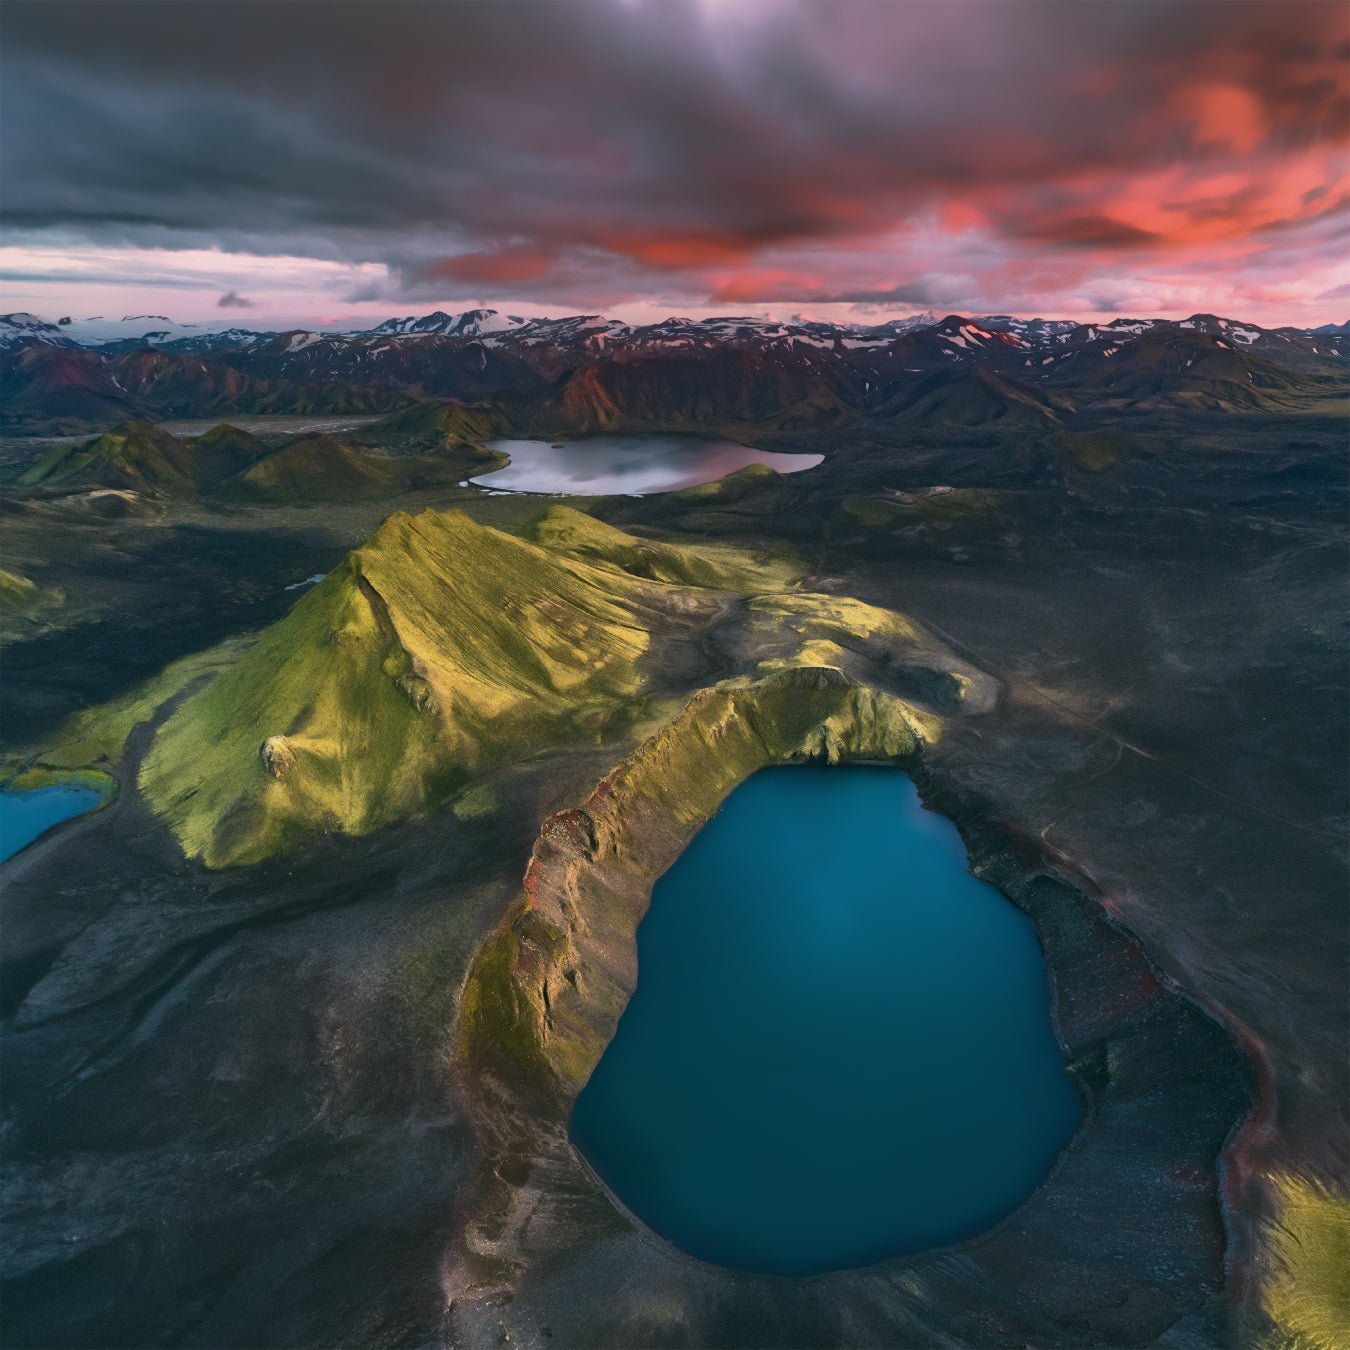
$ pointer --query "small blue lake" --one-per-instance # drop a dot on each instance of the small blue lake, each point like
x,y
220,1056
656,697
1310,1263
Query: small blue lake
x,y
839,1048
598,466
26,815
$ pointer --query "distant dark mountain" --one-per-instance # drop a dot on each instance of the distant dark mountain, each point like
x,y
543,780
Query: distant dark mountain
x,y
1036,330
431,365
1182,365
56,387
972,396
586,372
688,390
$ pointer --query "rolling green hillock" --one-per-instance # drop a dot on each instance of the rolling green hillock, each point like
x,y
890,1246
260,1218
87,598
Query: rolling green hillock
x,y
21,596
713,566
138,456
438,426
734,487
435,649
314,468
892,507
1099,450
223,452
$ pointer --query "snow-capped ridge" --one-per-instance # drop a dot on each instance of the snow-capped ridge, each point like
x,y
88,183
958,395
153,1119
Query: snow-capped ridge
x,y
471,323
24,327
552,345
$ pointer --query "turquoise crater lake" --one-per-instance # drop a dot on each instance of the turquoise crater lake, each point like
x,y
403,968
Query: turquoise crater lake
x,y
598,466
840,1046
24,816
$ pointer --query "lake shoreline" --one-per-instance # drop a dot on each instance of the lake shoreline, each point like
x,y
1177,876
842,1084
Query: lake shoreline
x,y
1137,1045
633,465
856,853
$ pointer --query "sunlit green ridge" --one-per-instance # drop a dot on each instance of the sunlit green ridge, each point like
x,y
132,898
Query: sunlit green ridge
x,y
434,649
441,649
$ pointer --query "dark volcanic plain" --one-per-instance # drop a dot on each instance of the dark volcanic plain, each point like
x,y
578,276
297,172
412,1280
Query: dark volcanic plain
x,y
241,1105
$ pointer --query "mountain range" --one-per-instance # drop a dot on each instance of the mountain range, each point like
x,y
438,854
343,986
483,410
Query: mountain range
x,y
587,373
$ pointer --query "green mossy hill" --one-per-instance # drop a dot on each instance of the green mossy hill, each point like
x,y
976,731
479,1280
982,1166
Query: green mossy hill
x,y
435,649
143,457
870,645
98,735
21,597
314,468
714,566
726,733
893,507
138,456
442,648
1100,450
223,452
734,487
439,426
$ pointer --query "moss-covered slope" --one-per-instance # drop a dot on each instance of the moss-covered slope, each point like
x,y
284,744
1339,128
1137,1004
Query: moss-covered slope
x,y
735,487
222,452
441,426
441,649
709,565
137,455
314,468
434,649
21,596
1305,1281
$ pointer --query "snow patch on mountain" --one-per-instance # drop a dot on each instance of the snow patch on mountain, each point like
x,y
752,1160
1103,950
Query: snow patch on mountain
x,y
24,327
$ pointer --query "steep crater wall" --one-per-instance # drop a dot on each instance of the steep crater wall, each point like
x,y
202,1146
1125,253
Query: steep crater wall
x,y
1124,1241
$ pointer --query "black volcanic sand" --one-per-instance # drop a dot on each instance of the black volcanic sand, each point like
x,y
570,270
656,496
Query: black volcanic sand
x,y
228,1108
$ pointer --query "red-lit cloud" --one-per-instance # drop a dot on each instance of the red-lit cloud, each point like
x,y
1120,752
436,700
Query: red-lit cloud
x,y
972,154
499,267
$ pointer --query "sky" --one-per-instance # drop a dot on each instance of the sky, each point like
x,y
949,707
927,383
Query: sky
x,y
291,162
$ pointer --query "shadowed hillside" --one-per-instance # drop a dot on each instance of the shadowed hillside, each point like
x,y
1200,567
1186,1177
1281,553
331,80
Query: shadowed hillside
x,y
314,468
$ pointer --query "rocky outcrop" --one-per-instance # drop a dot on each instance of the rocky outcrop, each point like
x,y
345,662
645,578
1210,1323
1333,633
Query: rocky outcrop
x,y
589,879
277,756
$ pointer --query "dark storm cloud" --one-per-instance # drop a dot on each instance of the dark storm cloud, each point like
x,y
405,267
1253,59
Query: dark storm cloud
x,y
233,300
1086,232
922,293
72,277
617,145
